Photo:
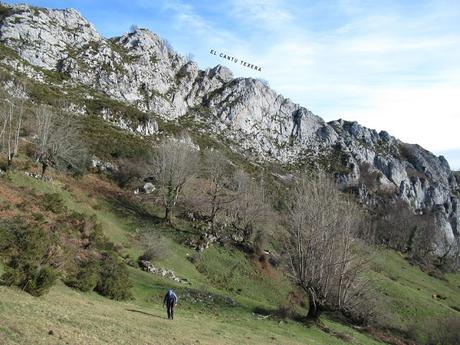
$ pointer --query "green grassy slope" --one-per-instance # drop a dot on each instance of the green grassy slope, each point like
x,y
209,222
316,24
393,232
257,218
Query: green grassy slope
x,y
76,318
79,318
405,293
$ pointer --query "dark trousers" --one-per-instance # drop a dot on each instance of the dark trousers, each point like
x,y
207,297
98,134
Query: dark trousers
x,y
170,309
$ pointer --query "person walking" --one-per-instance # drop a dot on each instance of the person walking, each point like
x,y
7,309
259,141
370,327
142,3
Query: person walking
x,y
170,301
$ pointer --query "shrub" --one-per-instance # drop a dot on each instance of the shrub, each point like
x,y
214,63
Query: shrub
x,y
53,202
11,277
436,331
155,247
131,170
87,277
98,240
35,280
25,248
22,242
5,12
108,142
445,331
113,279
41,281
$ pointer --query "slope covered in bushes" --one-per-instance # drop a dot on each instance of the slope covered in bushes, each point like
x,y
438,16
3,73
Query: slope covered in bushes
x,y
223,287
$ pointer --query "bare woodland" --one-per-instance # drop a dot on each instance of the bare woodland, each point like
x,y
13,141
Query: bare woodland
x,y
59,142
324,228
11,119
174,163
320,255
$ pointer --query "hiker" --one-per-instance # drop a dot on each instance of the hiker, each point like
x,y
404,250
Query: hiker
x,y
170,301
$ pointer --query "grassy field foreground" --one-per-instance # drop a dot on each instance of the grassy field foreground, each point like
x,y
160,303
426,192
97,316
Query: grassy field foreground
x,y
66,316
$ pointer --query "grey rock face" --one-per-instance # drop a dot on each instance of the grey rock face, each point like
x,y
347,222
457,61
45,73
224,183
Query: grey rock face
x,y
43,37
142,70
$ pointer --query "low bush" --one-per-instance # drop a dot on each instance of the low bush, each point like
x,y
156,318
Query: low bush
x,y
31,249
35,280
5,12
21,242
86,278
436,331
113,279
445,331
41,281
53,202
25,248
99,241
155,247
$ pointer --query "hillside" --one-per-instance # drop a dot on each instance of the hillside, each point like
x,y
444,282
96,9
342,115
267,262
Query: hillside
x,y
405,298
140,84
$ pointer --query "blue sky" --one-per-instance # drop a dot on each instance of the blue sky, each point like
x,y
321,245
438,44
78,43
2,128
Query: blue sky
x,y
392,65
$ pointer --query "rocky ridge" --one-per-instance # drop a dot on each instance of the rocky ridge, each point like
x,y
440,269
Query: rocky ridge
x,y
142,70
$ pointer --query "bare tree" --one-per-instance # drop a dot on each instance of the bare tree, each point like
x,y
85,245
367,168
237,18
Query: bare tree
x,y
249,210
131,169
190,57
59,142
421,244
396,226
174,163
217,170
11,116
133,28
319,249
155,246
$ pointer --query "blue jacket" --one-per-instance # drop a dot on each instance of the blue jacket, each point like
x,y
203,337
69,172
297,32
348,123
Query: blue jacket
x,y
170,297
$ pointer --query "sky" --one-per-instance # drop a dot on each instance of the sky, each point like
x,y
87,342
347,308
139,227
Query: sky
x,y
390,65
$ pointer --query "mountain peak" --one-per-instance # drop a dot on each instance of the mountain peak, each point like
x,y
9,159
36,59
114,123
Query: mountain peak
x,y
43,37
142,70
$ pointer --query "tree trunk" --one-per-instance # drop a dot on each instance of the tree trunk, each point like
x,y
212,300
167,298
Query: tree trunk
x,y
44,167
314,307
9,163
168,214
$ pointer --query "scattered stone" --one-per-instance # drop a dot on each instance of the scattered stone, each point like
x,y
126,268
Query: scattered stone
x,y
100,166
206,298
437,296
149,267
261,317
202,243
148,188
38,176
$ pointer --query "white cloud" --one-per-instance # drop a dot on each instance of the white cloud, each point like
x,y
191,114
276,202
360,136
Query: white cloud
x,y
388,72
427,116
391,68
265,14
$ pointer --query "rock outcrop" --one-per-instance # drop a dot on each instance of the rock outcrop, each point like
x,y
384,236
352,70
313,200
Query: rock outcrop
x,y
142,70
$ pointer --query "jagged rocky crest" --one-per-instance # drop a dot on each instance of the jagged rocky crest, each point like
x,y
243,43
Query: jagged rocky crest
x,y
141,69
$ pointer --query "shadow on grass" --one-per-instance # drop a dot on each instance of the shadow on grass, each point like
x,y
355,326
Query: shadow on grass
x,y
281,314
123,204
145,313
